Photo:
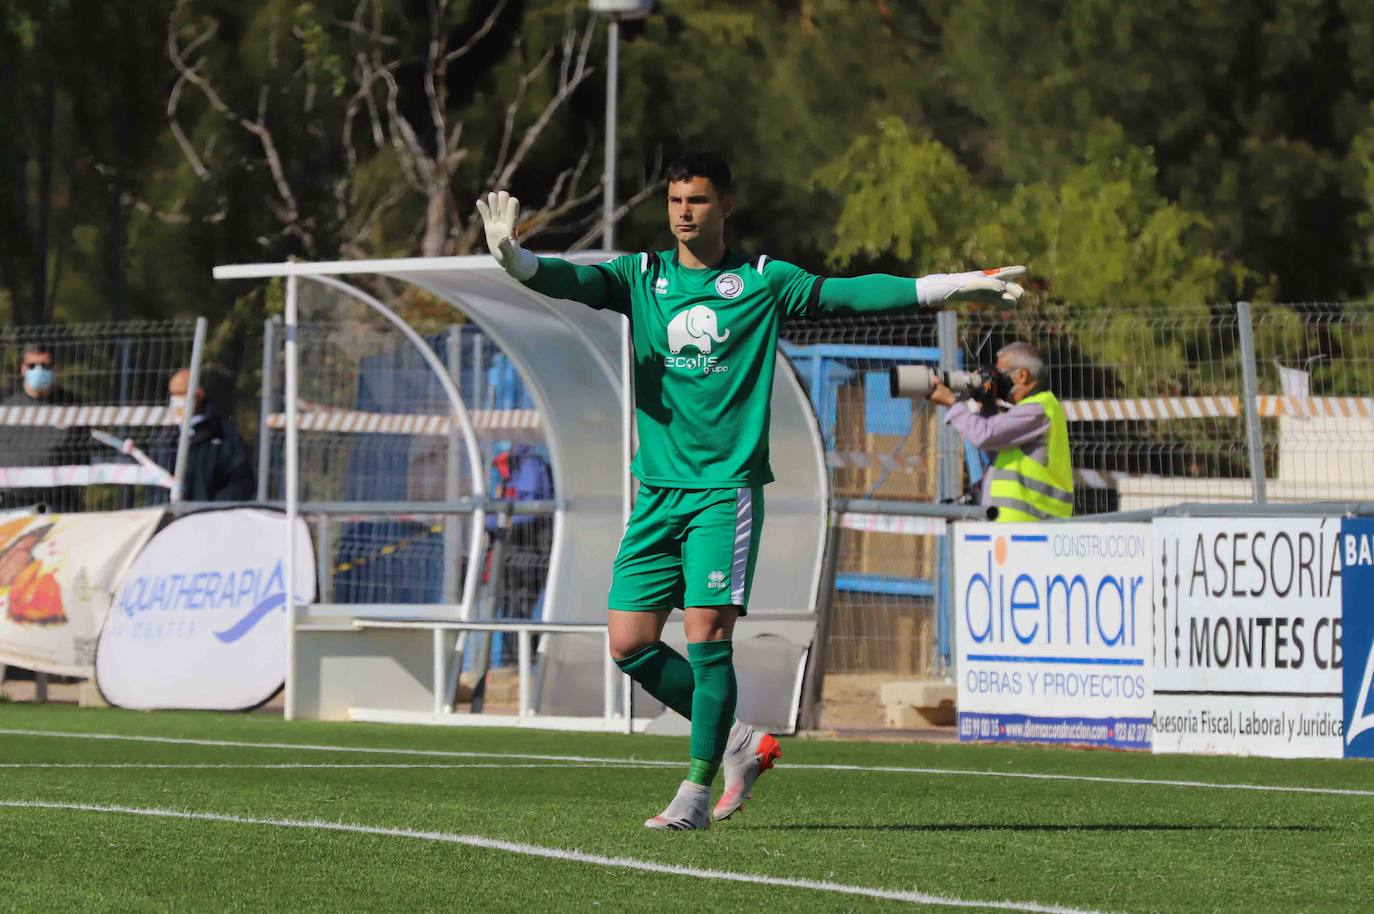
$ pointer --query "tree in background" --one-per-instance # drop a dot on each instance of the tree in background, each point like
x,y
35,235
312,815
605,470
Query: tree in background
x,y
366,130
79,97
147,140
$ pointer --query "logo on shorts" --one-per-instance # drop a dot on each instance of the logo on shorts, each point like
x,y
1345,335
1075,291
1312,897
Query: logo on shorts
x,y
728,285
716,580
661,286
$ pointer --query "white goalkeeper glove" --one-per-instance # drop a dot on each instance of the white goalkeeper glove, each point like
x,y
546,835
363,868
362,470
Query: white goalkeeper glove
x,y
991,287
499,213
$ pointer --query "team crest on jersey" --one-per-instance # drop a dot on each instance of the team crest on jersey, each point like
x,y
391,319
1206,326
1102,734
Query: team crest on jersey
x,y
728,285
661,286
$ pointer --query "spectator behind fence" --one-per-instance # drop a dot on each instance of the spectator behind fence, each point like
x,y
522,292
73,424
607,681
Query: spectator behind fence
x,y
1031,477
42,443
217,466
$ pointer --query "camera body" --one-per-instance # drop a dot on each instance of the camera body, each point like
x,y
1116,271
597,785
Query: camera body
x,y
919,381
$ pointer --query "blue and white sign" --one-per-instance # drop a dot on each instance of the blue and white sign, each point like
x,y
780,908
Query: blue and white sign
x,y
1357,618
1053,633
199,620
1248,636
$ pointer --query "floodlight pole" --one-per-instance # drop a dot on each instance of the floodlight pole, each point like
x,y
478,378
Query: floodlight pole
x,y
614,11
612,87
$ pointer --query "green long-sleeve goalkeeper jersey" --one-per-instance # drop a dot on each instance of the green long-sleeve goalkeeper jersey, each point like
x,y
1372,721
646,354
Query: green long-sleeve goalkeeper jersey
x,y
704,343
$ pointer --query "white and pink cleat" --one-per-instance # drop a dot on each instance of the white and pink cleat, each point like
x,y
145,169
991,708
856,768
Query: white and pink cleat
x,y
750,754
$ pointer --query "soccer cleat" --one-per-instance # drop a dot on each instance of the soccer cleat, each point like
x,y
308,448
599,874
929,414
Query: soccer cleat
x,y
686,812
754,753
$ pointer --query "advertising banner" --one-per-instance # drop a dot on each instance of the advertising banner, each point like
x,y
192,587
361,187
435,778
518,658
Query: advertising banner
x,y
1357,626
199,620
1247,620
1053,633
57,572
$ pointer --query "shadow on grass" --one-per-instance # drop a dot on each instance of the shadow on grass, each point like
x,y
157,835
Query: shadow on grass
x,y
1003,826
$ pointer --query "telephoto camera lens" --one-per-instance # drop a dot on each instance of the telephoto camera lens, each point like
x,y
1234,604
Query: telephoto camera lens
x,y
918,381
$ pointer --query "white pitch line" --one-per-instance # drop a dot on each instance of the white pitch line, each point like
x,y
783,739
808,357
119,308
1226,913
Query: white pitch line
x,y
569,856
1148,782
256,766
655,763
314,747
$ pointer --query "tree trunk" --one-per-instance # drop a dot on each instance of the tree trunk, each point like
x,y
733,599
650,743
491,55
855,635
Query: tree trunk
x,y
436,222
38,266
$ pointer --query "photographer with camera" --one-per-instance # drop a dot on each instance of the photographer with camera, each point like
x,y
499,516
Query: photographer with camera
x,y
1031,477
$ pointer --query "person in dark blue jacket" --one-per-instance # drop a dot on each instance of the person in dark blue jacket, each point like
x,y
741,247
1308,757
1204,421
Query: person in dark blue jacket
x,y
217,467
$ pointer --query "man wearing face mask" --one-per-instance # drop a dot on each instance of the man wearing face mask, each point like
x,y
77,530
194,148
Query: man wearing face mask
x,y
41,445
1031,477
217,466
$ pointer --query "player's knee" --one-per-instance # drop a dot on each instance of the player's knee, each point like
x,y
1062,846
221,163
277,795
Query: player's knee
x,y
626,644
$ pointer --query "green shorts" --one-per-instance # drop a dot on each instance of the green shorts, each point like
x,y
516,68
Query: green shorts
x,y
688,547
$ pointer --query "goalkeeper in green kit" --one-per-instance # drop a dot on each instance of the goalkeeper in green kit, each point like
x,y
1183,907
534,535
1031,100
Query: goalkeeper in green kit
x,y
704,321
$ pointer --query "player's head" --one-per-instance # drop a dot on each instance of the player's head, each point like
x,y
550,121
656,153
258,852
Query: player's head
x,y
700,197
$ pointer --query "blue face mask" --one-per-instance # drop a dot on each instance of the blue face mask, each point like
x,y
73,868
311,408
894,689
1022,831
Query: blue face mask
x,y
38,378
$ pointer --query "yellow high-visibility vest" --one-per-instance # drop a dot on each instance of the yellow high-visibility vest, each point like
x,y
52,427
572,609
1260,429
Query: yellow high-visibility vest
x,y
1025,489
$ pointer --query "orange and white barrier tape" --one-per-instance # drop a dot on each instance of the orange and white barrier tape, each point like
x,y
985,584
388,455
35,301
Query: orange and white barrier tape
x,y
120,474
358,422
1156,408
65,416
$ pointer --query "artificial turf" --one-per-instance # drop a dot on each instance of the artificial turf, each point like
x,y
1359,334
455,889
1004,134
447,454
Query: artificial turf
x,y
1087,845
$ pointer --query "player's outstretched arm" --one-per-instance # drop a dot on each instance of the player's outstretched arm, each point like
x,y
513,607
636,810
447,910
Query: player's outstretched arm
x,y
551,276
877,292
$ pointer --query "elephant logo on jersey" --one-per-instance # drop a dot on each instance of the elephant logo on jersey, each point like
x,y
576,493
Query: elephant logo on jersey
x,y
694,327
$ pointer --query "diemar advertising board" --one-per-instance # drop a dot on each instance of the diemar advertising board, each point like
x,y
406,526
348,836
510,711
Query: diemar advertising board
x,y
1053,633
1248,636
1357,628
199,620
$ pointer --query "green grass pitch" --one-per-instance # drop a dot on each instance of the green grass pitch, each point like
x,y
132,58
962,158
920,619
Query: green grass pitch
x,y
456,819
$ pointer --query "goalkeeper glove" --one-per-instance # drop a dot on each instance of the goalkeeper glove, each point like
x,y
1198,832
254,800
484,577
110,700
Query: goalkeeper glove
x,y
499,213
990,287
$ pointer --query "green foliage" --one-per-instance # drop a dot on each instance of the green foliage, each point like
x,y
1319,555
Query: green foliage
x,y
1098,240
1139,155
903,197
1099,237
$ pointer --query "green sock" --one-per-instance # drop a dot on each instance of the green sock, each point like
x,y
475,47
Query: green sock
x,y
713,704
664,673
703,771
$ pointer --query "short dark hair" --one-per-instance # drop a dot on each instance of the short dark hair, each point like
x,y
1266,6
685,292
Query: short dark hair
x,y
702,165
28,346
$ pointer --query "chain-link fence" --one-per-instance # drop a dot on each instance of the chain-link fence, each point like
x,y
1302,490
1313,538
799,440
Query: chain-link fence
x,y
883,612
84,418
1157,406
1315,371
1152,401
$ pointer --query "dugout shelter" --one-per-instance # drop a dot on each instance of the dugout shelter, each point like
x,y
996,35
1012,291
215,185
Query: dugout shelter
x,y
398,662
